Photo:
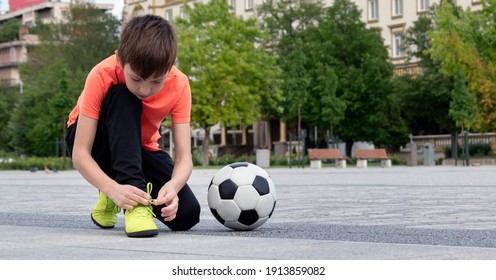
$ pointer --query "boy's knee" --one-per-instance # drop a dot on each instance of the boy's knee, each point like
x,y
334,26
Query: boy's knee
x,y
121,105
119,95
185,225
187,220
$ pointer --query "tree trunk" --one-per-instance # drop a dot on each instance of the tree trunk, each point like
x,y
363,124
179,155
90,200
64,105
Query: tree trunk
x,y
206,146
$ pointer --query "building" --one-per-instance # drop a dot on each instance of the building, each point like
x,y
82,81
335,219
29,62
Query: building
x,y
15,5
28,12
12,54
393,17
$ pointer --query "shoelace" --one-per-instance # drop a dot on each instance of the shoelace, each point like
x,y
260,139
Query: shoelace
x,y
141,213
149,188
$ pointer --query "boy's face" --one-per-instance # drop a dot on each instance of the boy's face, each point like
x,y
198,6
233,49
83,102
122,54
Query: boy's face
x,y
140,87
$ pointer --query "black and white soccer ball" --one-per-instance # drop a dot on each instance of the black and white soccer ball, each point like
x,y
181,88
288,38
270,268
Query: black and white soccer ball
x,y
242,196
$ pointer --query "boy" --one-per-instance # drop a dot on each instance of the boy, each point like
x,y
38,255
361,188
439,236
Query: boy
x,y
113,131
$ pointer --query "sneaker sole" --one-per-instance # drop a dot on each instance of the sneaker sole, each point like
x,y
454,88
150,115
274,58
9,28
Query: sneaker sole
x,y
101,226
144,233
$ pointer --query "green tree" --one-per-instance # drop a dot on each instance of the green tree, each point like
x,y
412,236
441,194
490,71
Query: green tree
x,y
360,60
334,69
8,96
423,98
231,79
9,31
286,21
463,106
465,39
55,74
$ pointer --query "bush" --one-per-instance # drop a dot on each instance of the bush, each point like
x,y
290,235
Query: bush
x,y
397,161
197,156
477,150
448,152
228,159
21,163
279,161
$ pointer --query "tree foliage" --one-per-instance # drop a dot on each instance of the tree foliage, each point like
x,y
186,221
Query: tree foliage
x,y
55,73
463,106
287,21
465,39
8,96
9,30
423,98
335,69
231,79
362,61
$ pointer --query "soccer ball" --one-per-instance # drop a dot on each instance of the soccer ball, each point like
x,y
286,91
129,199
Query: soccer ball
x,y
241,196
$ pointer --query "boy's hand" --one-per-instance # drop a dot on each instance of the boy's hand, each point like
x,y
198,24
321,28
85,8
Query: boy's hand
x,y
168,196
128,196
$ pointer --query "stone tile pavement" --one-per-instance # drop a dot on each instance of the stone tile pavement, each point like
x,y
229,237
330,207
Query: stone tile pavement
x,y
412,213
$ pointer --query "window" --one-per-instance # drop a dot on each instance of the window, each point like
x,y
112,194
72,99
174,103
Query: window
x,y
248,4
398,48
397,8
373,10
13,54
423,5
182,14
232,6
168,14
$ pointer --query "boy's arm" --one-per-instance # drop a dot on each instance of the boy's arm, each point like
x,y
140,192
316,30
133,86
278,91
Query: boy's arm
x,y
183,166
183,162
125,196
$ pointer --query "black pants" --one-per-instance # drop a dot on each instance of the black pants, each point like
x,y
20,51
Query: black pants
x,y
117,150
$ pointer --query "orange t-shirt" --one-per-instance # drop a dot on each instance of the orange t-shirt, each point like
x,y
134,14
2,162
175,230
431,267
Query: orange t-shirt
x,y
174,98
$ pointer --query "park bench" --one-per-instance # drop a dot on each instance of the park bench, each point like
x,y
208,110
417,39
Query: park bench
x,y
363,156
317,155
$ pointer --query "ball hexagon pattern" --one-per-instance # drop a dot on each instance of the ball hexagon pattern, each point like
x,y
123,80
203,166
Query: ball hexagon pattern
x,y
242,196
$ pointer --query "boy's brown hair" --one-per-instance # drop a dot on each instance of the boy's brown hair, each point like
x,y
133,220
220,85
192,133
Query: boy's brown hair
x,y
148,43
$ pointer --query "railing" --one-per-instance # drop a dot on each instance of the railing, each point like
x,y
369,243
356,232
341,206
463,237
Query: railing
x,y
442,141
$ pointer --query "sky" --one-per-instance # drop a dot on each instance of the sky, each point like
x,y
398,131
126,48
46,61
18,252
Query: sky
x,y
118,5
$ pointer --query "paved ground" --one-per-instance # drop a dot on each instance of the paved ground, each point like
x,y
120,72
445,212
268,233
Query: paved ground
x,y
327,214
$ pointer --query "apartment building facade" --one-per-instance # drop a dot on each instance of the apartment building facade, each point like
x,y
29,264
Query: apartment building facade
x,y
393,17
28,12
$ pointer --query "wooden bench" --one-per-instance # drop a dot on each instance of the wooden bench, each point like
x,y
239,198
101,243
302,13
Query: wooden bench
x,y
363,155
317,155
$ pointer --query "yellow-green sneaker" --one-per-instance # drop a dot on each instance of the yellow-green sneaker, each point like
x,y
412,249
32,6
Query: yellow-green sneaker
x,y
105,212
139,220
